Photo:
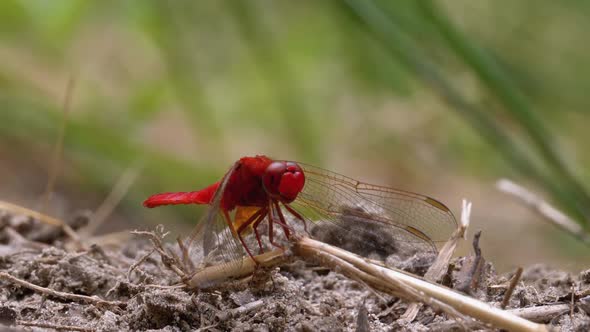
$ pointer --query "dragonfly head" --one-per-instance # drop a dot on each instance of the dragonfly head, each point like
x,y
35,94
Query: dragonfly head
x,y
283,180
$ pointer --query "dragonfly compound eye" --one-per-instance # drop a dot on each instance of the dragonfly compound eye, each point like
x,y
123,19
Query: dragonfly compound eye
x,y
284,180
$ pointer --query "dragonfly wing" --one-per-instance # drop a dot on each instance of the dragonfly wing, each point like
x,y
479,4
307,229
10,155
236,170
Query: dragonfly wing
x,y
212,241
374,215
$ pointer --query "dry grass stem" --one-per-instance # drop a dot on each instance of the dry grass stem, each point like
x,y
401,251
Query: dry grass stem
x,y
550,213
17,209
382,277
68,296
57,148
113,199
439,267
110,239
239,311
216,274
57,327
541,314
347,264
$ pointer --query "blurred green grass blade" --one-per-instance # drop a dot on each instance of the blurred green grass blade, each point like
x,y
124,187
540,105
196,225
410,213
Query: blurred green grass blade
x,y
57,20
367,60
13,16
403,47
302,129
25,120
145,103
499,82
166,25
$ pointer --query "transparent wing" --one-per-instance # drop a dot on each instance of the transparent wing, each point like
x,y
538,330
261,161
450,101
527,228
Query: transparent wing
x,y
212,242
370,217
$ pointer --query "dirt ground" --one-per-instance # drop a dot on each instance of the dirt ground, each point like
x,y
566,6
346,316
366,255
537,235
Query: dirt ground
x,y
296,297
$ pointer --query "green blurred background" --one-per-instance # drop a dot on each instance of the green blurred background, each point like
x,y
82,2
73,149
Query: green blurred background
x,y
437,97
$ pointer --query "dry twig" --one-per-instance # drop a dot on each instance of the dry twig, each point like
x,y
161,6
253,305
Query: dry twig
x,y
470,274
239,311
139,262
169,259
510,290
68,296
541,314
17,209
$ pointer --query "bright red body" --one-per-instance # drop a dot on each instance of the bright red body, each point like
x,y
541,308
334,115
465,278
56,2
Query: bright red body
x,y
244,188
254,182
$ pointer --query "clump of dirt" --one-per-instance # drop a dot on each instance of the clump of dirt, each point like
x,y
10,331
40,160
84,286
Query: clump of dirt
x,y
296,297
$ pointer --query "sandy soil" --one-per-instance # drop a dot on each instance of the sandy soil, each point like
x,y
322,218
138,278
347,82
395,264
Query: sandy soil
x,y
296,297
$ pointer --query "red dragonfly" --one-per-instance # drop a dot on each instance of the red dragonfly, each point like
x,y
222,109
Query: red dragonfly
x,y
259,188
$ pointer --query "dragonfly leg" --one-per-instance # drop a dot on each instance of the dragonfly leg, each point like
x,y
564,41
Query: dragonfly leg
x,y
297,216
271,232
247,249
255,227
228,221
252,219
282,222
